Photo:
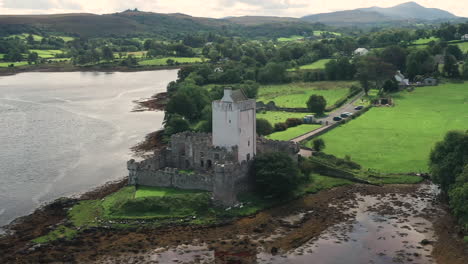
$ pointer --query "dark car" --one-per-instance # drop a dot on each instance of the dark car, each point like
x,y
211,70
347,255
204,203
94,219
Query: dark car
x,y
360,107
337,118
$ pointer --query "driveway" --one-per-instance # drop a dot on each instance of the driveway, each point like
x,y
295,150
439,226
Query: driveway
x,y
328,120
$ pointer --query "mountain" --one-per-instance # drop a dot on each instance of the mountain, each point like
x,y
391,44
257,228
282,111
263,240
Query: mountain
x,y
258,20
404,13
412,10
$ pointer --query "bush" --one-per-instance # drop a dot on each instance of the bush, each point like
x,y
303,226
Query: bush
x,y
275,174
318,144
280,127
341,163
293,122
264,127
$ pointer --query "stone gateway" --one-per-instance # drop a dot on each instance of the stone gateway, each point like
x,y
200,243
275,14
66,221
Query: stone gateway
x,y
217,162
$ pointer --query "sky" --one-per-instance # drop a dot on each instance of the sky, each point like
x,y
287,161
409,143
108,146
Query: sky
x,y
214,8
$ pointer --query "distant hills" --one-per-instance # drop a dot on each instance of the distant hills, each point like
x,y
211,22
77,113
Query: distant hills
x,y
409,11
133,22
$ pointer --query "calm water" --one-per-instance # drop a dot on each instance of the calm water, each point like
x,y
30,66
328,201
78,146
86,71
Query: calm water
x,y
65,133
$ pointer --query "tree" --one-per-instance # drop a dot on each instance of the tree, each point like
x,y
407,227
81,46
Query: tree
x,y
373,69
451,66
390,86
455,51
264,127
448,158
318,144
272,73
317,104
419,62
33,57
395,55
182,104
275,174
107,53
176,124
30,39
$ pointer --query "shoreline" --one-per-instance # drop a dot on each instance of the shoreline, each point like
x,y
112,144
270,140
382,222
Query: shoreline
x,y
70,68
107,245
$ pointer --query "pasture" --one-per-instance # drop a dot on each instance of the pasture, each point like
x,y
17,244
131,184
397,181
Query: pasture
x,y
318,65
163,61
295,95
399,139
146,191
47,54
278,116
15,64
423,41
292,132
319,33
463,46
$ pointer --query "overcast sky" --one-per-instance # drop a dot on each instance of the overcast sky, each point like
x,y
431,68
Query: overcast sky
x,y
215,8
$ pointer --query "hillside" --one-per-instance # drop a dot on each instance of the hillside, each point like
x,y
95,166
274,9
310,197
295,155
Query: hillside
x,y
412,10
258,20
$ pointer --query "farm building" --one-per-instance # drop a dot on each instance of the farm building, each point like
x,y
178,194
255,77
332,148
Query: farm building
x,y
361,51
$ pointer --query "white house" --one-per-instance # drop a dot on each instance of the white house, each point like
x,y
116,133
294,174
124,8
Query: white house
x,y
234,123
400,78
464,37
361,51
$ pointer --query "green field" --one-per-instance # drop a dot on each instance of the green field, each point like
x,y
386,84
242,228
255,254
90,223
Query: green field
x,y
136,54
318,65
163,61
47,54
463,46
319,33
292,132
144,191
25,35
399,139
2,56
16,64
291,38
423,41
295,95
277,116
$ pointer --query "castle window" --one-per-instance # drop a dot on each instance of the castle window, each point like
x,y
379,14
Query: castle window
x,y
216,156
187,164
202,163
208,163
202,154
229,121
248,143
248,157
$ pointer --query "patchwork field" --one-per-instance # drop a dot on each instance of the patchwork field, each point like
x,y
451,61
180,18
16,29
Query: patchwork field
x,y
145,191
163,61
318,33
277,116
295,95
399,139
320,64
46,54
293,132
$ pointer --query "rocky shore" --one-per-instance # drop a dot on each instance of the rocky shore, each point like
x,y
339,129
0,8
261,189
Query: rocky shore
x,y
281,232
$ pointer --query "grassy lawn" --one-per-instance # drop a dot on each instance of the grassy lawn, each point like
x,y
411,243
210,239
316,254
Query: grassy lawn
x,y
291,38
320,182
61,232
295,95
399,139
16,64
163,61
65,38
422,41
46,54
292,132
320,64
2,56
136,54
277,117
145,191
25,35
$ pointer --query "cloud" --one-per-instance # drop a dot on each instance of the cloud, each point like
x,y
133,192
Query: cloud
x,y
41,4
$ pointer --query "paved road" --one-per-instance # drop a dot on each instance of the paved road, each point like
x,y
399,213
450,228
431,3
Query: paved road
x,y
328,120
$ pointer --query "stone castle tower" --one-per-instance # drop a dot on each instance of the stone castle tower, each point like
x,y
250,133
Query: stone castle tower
x,y
234,124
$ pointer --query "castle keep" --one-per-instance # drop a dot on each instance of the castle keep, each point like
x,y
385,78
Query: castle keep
x,y
217,162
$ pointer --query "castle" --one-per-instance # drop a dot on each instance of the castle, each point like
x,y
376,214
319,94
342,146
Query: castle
x,y
217,162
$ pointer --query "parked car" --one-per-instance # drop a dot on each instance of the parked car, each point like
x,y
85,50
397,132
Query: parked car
x,y
337,118
359,107
346,114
